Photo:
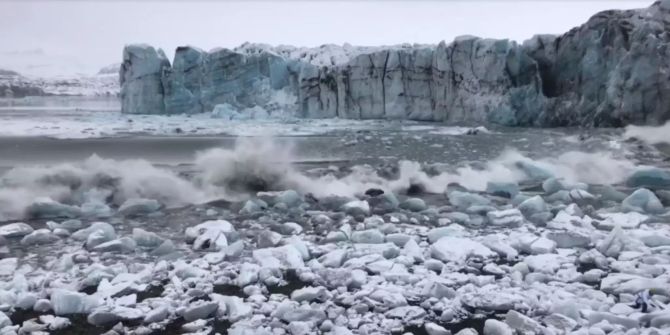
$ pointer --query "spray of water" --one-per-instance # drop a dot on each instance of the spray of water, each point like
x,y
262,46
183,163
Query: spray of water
x,y
651,135
259,164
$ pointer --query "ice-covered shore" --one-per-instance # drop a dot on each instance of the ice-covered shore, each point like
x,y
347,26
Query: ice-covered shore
x,y
607,72
546,248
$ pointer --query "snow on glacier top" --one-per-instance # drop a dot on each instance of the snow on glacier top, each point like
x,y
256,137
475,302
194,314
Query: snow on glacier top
x,y
324,55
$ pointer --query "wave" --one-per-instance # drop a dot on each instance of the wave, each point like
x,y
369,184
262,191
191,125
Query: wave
x,y
649,134
259,164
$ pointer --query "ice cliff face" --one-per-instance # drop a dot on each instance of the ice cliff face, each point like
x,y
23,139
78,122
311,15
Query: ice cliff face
x,y
613,70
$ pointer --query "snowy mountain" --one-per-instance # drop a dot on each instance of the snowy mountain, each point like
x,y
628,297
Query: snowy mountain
x,y
39,72
16,85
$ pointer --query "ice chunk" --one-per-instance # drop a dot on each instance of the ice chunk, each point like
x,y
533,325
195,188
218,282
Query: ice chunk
x,y
281,257
139,206
40,236
333,259
495,327
4,320
42,306
95,209
253,206
506,190
199,310
8,266
291,228
289,197
100,236
248,274
146,239
165,248
613,244
83,234
220,225
358,278
236,307
211,239
71,225
522,323
452,230
367,236
54,322
310,294
533,171
399,239
507,218
48,208
413,204
356,207
643,201
16,229
553,185
570,239
624,220
652,238
560,322
596,317
158,314
106,315
68,302
211,235
495,243
267,239
652,178
458,250
435,329
546,263
123,245
465,200
406,313
533,205
289,312
609,193
581,197
225,111
542,246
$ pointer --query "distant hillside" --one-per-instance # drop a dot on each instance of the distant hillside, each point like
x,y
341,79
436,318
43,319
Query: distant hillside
x,y
15,85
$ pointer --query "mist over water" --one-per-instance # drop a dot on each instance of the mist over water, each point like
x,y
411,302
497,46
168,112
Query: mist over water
x,y
260,164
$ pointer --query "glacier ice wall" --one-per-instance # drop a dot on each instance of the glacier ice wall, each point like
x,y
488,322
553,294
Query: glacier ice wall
x,y
611,71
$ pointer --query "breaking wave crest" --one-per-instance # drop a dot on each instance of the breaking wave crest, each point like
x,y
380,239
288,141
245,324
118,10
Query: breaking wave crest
x,y
651,135
258,164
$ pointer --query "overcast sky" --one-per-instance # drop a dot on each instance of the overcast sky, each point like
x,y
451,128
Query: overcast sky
x,y
54,37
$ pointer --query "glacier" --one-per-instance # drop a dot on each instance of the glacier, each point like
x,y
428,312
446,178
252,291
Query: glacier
x,y
611,71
